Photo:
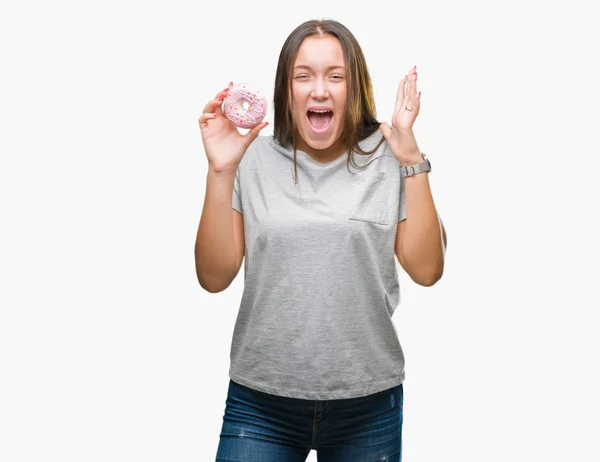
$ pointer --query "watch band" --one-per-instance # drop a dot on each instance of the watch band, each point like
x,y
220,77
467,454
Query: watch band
x,y
421,167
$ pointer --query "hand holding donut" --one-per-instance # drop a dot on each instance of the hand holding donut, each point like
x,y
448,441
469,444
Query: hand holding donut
x,y
224,145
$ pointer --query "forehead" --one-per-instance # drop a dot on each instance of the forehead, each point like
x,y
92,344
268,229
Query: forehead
x,y
320,53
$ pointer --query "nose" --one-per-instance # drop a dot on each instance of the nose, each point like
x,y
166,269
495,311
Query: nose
x,y
319,89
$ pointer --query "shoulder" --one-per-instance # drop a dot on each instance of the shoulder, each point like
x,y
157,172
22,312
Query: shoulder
x,y
250,156
263,151
382,159
264,143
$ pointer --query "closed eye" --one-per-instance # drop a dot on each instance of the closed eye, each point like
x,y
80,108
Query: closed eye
x,y
338,77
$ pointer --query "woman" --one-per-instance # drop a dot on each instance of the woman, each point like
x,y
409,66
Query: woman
x,y
315,358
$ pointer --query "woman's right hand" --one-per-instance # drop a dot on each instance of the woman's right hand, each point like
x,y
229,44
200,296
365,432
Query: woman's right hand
x,y
223,143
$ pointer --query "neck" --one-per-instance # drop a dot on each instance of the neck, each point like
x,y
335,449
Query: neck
x,y
323,155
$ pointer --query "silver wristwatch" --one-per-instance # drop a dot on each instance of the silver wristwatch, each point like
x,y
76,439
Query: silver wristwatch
x,y
421,167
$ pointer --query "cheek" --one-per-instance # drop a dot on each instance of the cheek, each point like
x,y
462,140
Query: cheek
x,y
341,97
341,93
299,116
296,91
297,101
341,110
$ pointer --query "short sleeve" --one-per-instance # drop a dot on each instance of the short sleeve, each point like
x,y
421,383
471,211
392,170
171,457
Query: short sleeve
x,y
402,202
236,198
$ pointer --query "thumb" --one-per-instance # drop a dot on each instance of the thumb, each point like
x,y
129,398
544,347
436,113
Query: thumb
x,y
385,129
254,132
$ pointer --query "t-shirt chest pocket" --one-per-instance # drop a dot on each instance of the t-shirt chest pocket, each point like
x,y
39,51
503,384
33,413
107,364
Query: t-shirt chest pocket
x,y
369,197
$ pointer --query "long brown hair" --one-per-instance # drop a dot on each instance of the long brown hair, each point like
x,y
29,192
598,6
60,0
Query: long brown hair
x,y
360,118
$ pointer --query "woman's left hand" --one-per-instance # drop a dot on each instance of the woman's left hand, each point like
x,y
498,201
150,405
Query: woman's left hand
x,y
400,135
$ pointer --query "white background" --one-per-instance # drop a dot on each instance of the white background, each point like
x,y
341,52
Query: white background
x,y
109,348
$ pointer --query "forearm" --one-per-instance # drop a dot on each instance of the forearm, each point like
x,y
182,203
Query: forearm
x,y
215,252
422,248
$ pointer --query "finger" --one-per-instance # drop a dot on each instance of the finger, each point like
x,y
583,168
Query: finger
x,y
386,130
413,98
413,80
254,132
413,84
408,99
205,117
400,94
222,93
214,105
226,89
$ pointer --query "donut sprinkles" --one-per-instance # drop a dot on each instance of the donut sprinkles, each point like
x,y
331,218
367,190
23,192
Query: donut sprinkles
x,y
233,105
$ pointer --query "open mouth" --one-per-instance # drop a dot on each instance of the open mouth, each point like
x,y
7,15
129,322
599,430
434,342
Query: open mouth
x,y
319,120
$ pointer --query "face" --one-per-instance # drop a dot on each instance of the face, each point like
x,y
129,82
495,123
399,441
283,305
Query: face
x,y
319,95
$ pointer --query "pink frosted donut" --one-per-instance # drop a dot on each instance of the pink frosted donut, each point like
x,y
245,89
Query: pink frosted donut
x,y
245,105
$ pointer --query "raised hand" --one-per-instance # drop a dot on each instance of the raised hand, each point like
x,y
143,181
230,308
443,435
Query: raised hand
x,y
400,134
224,145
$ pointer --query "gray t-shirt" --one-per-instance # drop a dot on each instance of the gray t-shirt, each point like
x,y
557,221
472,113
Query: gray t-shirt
x,y
320,279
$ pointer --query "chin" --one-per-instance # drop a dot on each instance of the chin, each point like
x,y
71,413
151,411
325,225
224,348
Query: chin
x,y
322,143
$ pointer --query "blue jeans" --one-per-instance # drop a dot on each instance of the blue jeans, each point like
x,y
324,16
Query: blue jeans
x,y
260,427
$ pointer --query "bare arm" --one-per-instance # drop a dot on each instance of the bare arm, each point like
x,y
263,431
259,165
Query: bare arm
x,y
216,252
421,238
219,248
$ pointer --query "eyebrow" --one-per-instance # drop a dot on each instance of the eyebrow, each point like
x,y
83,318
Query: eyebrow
x,y
308,67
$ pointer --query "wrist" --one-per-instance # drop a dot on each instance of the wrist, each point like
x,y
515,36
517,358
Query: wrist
x,y
221,172
222,168
411,159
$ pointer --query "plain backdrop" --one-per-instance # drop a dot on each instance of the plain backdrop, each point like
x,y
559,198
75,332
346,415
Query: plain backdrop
x,y
109,348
